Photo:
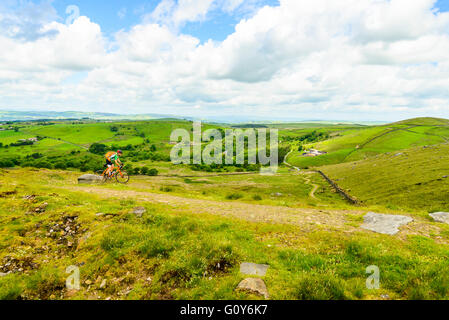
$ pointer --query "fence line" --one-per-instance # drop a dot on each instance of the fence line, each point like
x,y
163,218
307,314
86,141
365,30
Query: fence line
x,y
338,189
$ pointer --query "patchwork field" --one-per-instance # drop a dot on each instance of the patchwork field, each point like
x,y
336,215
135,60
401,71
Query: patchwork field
x,y
356,144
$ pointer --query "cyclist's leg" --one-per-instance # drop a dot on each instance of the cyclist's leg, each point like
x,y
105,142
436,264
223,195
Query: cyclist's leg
x,y
109,169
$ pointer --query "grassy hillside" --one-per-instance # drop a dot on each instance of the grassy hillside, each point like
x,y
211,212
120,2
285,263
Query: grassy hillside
x,y
416,178
425,121
65,144
189,249
362,143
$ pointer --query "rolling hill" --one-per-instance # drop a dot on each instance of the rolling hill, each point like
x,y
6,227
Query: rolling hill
x,y
361,143
416,178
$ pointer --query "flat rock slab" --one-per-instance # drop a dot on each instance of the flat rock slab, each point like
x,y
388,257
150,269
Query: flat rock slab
x,y
254,269
139,211
254,285
89,178
440,217
384,223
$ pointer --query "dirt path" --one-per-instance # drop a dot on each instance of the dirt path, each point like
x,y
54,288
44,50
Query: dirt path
x,y
305,217
308,219
288,164
314,186
306,177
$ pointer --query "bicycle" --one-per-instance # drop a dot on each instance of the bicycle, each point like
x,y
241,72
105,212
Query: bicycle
x,y
120,175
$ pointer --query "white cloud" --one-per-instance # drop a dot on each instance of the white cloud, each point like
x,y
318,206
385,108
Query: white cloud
x,y
176,14
307,59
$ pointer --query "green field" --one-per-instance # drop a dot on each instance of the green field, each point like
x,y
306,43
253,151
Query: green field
x,y
362,143
201,222
416,178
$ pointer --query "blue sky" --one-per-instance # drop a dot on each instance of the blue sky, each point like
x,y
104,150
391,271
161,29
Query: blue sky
x,y
106,13
113,15
121,14
442,5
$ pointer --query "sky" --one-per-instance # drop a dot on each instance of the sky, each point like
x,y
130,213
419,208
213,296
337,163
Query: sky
x,y
378,60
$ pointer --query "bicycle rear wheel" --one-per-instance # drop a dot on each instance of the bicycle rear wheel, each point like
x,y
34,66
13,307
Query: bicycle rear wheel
x,y
122,177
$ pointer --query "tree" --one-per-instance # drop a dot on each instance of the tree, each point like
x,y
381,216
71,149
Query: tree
x,y
153,172
60,165
144,170
97,148
128,167
37,155
153,148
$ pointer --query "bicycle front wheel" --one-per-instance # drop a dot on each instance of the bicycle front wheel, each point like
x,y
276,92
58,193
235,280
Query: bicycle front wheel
x,y
122,177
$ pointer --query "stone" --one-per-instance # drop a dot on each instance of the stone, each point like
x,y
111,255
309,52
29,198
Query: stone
x,y
2,274
89,178
254,269
139,211
440,217
103,284
384,223
254,285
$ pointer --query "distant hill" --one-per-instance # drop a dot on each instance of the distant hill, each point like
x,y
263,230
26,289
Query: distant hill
x,y
53,115
425,121
244,121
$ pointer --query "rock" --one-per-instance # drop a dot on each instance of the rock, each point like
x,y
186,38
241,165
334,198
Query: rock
x,y
89,178
440,217
384,223
139,211
385,296
103,284
398,154
71,293
254,269
254,285
2,274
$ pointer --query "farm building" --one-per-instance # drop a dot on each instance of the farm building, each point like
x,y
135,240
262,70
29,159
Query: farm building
x,y
313,153
29,139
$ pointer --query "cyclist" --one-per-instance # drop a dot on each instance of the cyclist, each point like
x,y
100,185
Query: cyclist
x,y
111,157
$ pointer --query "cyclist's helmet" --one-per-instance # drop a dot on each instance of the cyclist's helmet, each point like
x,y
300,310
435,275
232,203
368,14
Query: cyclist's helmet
x,y
119,152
